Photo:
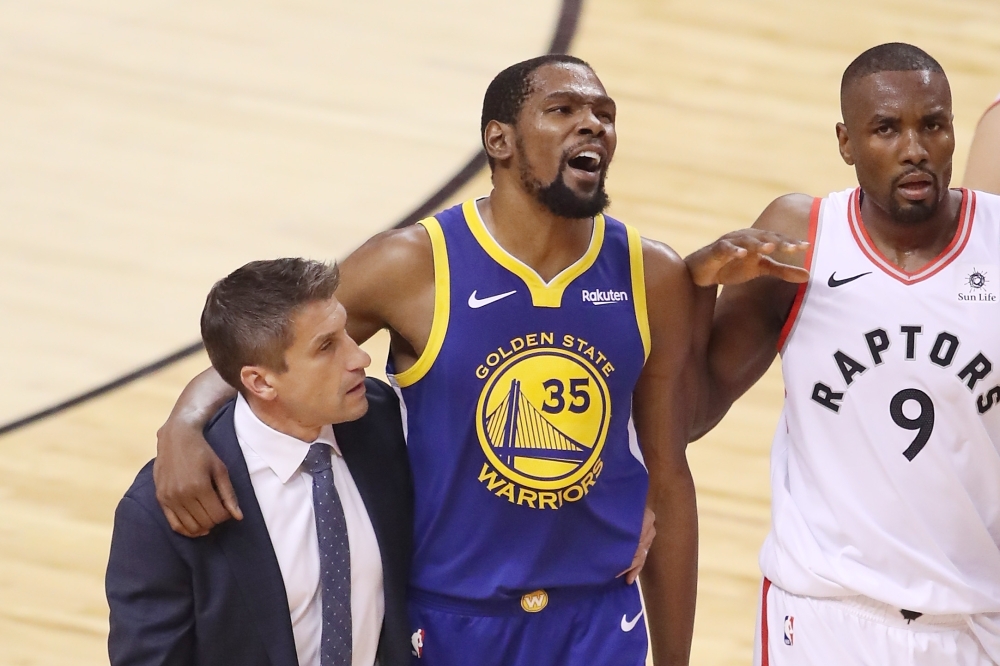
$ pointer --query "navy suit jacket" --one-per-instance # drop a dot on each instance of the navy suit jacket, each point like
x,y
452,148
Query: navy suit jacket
x,y
220,599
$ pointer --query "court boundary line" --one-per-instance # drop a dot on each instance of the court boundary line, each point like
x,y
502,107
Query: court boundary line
x,y
566,25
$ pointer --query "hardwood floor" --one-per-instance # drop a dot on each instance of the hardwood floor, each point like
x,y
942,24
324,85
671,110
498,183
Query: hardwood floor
x,y
148,150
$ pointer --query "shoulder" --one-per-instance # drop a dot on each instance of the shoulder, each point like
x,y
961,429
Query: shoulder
x,y
138,509
220,431
788,215
666,274
143,490
381,397
389,265
398,249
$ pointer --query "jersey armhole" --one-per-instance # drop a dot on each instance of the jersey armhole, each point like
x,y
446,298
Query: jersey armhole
x,y
638,287
442,307
800,293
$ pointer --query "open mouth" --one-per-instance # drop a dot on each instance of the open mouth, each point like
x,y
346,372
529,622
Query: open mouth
x,y
916,185
588,160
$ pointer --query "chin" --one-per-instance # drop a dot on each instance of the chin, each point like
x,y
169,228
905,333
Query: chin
x,y
358,409
350,410
914,212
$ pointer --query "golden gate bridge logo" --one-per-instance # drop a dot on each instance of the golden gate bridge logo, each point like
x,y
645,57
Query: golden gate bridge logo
x,y
516,428
543,417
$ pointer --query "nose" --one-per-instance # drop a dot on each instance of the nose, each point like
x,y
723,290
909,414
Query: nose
x,y
913,149
359,358
365,360
590,124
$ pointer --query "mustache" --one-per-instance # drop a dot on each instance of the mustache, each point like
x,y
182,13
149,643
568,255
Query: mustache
x,y
915,170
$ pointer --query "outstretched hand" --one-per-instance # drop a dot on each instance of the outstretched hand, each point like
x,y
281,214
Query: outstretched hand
x,y
741,256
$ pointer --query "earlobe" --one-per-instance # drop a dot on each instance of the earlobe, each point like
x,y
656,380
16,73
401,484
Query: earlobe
x,y
845,144
256,381
498,140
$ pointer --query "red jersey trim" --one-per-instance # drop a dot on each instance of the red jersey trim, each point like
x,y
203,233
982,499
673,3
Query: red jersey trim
x,y
800,294
763,624
948,254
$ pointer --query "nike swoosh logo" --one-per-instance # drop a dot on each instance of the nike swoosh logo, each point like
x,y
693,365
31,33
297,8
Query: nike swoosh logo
x,y
834,282
475,303
627,624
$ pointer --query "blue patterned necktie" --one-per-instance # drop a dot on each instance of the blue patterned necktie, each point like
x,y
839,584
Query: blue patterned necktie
x,y
334,559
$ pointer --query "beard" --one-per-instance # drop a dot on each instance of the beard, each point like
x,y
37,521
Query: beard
x,y
914,212
557,195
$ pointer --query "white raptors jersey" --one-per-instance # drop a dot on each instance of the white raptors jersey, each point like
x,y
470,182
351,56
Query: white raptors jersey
x,y
885,468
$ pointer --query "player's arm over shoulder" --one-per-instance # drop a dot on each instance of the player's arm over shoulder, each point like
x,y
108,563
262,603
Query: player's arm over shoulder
x,y
389,283
748,318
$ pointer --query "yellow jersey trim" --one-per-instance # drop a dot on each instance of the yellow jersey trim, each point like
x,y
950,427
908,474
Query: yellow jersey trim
x,y
638,286
543,294
442,307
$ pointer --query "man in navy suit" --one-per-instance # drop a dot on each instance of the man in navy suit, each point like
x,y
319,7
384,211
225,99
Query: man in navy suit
x,y
316,571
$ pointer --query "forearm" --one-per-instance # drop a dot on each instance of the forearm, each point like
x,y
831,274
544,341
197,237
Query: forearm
x,y
669,578
698,381
200,399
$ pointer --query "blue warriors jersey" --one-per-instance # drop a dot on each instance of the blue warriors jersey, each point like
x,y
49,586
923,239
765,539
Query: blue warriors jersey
x,y
527,472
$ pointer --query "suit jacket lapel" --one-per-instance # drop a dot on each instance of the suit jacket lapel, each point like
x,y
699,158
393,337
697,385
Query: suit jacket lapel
x,y
248,549
362,471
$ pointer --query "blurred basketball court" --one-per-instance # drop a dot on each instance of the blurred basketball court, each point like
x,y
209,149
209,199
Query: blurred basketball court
x,y
147,149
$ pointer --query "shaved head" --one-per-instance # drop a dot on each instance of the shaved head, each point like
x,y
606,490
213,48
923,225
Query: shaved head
x,y
892,57
897,132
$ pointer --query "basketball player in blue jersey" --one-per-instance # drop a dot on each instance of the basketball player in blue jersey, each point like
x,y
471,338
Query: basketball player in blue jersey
x,y
537,388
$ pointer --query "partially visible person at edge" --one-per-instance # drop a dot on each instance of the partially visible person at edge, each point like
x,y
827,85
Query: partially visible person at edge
x,y
317,572
982,171
539,351
885,469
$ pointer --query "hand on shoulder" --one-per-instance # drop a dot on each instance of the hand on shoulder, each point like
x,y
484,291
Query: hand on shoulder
x,y
775,246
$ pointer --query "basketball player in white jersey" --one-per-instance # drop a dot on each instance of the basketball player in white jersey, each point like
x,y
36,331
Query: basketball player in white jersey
x,y
982,171
885,469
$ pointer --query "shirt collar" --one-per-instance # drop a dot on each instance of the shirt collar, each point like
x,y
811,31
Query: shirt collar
x,y
282,453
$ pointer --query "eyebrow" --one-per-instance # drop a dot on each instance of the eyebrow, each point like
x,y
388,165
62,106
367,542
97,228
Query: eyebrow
x,y
320,339
599,99
880,118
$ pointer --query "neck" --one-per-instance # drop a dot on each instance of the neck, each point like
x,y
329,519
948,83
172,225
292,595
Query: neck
x,y
910,245
276,417
529,231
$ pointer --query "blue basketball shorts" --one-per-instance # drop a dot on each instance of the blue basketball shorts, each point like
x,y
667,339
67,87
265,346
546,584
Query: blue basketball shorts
x,y
592,627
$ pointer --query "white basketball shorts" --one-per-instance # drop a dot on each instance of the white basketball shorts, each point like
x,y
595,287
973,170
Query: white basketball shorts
x,y
858,631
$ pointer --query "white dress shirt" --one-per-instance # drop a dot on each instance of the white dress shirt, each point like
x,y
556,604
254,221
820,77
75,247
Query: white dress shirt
x,y
284,492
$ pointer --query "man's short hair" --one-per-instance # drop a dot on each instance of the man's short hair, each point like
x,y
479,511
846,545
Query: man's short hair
x,y
507,91
247,319
891,57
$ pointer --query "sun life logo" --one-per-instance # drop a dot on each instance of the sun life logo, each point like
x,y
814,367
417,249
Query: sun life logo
x,y
976,280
